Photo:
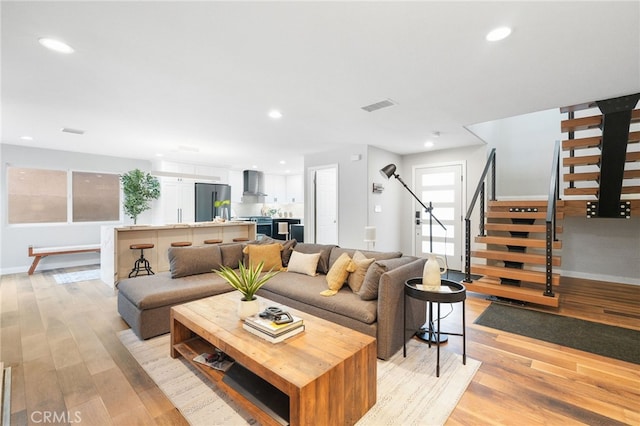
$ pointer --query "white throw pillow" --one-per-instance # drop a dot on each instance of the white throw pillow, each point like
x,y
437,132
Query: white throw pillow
x,y
303,263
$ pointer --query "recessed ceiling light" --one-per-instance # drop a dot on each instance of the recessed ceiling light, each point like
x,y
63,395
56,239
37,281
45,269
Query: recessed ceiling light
x,y
26,138
283,162
275,114
254,166
56,45
159,154
498,34
428,144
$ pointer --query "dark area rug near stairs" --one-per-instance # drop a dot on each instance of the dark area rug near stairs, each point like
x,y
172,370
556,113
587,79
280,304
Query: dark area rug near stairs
x,y
601,339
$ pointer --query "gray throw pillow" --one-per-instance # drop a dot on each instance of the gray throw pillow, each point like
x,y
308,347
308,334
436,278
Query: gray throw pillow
x,y
185,261
369,289
231,254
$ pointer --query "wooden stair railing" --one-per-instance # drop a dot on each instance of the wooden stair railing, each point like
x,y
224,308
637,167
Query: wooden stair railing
x,y
518,256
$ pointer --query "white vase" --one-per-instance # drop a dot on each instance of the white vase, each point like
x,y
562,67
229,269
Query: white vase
x,y
431,272
247,308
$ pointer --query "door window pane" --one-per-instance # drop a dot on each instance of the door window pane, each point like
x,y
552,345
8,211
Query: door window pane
x,y
438,179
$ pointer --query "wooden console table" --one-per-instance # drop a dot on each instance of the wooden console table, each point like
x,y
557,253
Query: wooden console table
x,y
326,374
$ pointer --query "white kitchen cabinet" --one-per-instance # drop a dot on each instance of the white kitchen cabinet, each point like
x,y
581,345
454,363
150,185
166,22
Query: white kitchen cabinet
x,y
295,189
276,188
237,185
177,200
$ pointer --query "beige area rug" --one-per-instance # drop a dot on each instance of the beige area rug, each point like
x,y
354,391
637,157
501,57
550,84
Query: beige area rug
x,y
74,277
409,393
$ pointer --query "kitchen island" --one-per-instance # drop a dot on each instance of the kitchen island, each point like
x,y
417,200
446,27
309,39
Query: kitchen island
x,y
117,259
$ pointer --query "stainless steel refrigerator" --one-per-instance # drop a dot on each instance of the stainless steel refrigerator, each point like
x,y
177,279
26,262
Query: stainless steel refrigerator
x,y
212,200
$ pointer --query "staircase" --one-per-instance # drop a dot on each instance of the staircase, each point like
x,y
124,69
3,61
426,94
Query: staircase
x,y
602,171
602,156
514,260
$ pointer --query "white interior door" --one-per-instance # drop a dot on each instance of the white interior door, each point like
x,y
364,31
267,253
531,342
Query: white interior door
x,y
442,187
326,205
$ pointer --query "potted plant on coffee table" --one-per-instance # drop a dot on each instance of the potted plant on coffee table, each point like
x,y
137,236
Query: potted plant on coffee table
x,y
247,281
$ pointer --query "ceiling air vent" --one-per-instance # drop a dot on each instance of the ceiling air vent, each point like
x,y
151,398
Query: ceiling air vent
x,y
74,131
379,105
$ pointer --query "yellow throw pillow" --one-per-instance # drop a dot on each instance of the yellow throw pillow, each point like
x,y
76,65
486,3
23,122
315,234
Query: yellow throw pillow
x,y
270,253
356,278
338,274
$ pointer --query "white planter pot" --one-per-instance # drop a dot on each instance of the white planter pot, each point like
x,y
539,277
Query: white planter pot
x,y
247,308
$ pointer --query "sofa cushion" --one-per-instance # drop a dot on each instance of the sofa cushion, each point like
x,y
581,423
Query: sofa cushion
x,y
306,289
184,261
323,249
302,263
231,254
153,291
362,264
270,254
377,255
369,289
337,275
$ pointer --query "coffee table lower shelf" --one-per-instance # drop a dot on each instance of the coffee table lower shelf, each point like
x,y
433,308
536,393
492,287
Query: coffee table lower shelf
x,y
247,388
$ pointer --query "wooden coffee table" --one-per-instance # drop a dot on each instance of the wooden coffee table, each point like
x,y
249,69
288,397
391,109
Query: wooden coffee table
x,y
326,374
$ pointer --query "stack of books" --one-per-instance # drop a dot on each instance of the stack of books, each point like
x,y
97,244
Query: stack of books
x,y
271,331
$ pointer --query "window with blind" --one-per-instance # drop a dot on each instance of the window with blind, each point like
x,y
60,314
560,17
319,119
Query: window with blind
x,y
57,196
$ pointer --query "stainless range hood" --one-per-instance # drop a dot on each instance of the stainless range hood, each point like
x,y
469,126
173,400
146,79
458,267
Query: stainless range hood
x,y
253,183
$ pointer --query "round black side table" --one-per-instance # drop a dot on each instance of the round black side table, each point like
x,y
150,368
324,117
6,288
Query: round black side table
x,y
457,293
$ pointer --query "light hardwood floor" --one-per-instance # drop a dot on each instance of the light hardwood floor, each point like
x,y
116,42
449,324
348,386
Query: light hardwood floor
x,y
66,359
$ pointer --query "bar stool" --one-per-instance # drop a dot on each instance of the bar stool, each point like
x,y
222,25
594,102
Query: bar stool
x,y
213,241
240,239
141,263
181,244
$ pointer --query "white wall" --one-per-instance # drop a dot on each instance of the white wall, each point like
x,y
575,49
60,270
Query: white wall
x,y
386,221
524,149
15,239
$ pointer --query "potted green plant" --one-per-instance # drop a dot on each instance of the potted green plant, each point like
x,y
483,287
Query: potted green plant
x,y
139,188
247,281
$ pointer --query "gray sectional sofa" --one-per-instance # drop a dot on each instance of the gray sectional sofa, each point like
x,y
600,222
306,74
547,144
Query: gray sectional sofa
x,y
376,309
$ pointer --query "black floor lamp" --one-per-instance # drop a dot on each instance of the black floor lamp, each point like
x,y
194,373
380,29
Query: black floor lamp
x,y
388,171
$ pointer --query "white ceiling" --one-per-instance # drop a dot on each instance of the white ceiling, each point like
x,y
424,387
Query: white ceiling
x,y
178,77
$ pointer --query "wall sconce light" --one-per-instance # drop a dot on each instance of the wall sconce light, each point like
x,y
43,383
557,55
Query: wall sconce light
x,y
378,188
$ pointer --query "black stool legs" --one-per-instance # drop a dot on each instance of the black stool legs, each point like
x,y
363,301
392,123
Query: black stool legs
x,y
141,264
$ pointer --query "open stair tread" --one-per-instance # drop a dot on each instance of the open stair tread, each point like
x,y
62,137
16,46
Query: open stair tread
x,y
540,204
590,160
511,256
515,227
537,277
594,176
595,190
518,242
590,122
520,215
593,142
512,292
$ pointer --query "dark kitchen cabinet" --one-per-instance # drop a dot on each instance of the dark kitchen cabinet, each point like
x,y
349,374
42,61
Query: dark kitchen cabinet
x,y
276,227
